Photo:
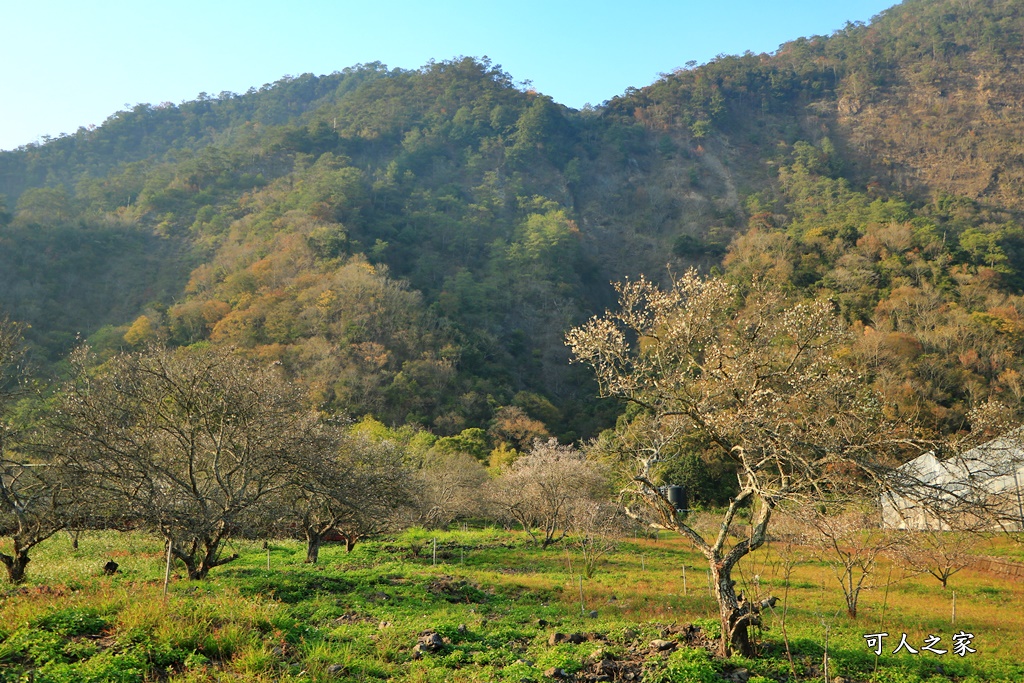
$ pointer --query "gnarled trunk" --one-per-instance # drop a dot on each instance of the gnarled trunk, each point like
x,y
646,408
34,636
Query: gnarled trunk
x,y
201,558
735,614
735,617
16,564
314,539
24,541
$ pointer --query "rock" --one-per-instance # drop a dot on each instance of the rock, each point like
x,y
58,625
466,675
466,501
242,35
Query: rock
x,y
662,645
628,634
739,676
840,679
542,623
593,614
110,568
577,638
462,628
607,667
556,638
527,662
383,625
337,670
554,672
429,642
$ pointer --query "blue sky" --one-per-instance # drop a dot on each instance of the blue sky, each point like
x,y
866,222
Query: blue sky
x,y
69,64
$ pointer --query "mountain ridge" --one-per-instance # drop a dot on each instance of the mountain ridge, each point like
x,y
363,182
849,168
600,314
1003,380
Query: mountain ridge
x,y
414,243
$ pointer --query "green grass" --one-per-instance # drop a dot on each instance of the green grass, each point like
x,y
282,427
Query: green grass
x,y
493,597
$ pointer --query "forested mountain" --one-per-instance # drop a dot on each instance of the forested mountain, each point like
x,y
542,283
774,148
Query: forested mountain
x,y
414,244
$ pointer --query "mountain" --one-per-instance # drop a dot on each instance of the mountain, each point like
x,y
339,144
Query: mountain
x,y
414,244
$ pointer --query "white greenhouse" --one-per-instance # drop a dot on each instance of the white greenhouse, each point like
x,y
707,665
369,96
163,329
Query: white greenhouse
x,y
977,488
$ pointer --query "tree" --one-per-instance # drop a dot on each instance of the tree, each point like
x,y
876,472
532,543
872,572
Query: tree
x,y
939,553
848,541
32,496
593,526
763,381
447,487
353,489
44,205
191,443
542,488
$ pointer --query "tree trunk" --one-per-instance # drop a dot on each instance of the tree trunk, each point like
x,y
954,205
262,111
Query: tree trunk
x,y
350,542
736,615
211,559
199,567
15,565
313,542
189,560
735,618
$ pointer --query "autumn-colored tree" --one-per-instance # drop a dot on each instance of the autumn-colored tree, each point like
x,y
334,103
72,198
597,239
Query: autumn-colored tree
x,y
512,426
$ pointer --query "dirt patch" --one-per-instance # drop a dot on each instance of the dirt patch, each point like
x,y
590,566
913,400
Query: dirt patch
x,y
456,590
629,665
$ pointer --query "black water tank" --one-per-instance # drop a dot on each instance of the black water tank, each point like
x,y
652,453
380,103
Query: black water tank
x,y
677,496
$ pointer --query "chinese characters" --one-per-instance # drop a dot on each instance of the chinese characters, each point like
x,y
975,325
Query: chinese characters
x,y
961,644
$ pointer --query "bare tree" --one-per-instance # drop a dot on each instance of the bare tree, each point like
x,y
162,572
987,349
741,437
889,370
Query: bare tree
x,y
764,382
448,486
594,527
190,443
33,498
353,490
848,540
540,489
939,553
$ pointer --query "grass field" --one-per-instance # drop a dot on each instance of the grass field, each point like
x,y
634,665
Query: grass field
x,y
493,600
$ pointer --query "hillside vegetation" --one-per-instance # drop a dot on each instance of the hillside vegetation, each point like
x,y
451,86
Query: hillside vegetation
x,y
414,244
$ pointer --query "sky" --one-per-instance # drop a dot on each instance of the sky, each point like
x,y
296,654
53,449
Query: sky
x,y
69,64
